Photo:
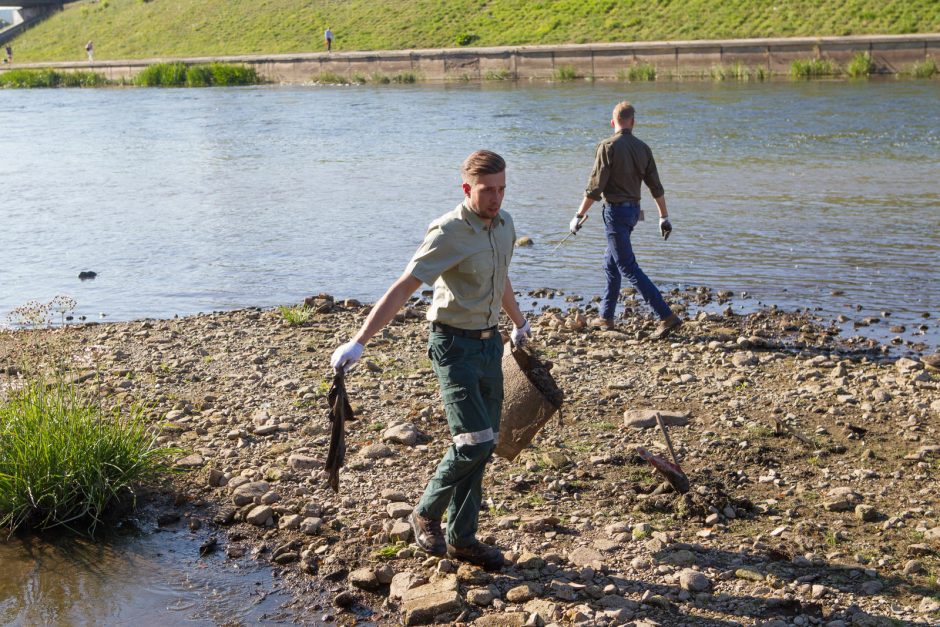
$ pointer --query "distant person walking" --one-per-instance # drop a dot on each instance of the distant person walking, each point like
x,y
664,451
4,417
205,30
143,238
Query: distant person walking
x,y
90,49
328,38
621,163
9,51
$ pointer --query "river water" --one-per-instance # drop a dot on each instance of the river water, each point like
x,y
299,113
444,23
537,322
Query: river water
x,y
188,200
821,195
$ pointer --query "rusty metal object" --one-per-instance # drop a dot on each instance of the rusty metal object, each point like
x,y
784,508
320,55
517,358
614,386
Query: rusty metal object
x,y
672,473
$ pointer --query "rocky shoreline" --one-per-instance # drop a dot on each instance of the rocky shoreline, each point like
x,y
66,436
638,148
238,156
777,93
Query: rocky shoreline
x,y
813,465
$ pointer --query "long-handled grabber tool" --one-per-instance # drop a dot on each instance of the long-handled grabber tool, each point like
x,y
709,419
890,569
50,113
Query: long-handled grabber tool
x,y
580,222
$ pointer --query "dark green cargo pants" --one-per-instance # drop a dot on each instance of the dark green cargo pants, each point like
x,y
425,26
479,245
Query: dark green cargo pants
x,y
471,378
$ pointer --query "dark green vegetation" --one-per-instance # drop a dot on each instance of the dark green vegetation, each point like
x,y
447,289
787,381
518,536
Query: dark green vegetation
x,y
129,29
181,75
64,462
157,75
51,78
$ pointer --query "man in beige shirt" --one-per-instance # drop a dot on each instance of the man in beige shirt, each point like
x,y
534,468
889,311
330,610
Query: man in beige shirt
x,y
465,256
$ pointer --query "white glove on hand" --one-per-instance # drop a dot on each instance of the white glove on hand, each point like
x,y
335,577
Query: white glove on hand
x,y
520,335
346,355
575,225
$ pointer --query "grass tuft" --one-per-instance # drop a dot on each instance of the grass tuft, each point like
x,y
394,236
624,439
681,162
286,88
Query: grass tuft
x,y
295,315
860,66
565,73
64,462
813,68
927,69
638,72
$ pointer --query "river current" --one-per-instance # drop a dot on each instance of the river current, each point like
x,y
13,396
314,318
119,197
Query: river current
x,y
820,195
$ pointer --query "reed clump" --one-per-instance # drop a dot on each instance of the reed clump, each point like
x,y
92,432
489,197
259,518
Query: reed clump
x,y
66,462
926,69
638,72
25,79
565,73
202,75
860,66
813,68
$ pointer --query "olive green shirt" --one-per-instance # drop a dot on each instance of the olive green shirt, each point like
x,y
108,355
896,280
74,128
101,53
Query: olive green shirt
x,y
621,163
467,263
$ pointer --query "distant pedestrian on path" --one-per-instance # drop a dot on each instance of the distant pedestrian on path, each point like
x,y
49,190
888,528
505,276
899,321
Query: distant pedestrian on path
x,y
90,49
9,51
328,37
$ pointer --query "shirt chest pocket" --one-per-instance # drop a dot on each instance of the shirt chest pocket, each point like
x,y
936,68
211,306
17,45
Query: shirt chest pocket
x,y
479,265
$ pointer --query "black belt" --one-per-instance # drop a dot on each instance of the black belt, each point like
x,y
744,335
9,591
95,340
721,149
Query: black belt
x,y
476,334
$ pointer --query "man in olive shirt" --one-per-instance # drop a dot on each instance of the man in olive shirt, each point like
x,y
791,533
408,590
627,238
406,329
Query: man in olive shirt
x,y
465,255
621,163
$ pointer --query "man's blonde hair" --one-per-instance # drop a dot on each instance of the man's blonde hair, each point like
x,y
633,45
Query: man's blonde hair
x,y
481,162
624,111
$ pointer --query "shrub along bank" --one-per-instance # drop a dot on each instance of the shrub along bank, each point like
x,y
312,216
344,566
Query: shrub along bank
x,y
157,75
134,29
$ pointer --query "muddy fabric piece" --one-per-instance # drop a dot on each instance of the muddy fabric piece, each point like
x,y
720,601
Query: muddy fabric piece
x,y
340,412
539,374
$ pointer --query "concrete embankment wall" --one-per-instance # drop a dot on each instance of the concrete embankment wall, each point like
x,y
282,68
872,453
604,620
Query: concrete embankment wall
x,y
890,53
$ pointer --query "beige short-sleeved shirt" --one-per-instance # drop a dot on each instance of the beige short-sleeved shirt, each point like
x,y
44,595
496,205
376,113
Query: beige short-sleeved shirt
x,y
467,263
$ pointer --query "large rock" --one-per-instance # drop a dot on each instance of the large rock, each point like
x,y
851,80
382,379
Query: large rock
x,y
646,418
262,515
303,462
398,510
583,556
525,592
364,579
435,601
694,581
402,582
190,461
932,534
400,531
249,492
405,434
842,500
376,451
503,619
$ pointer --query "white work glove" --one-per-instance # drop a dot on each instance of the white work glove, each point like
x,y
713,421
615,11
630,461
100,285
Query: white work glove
x,y
575,225
346,355
665,227
520,335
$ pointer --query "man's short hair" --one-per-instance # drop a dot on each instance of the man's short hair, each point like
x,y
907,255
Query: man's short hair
x,y
624,111
480,163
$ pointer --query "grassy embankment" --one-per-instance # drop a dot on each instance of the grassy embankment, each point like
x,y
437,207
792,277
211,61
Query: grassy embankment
x,y
134,29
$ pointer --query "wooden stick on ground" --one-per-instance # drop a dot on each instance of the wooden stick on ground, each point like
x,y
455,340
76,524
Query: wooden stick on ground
x,y
662,427
782,426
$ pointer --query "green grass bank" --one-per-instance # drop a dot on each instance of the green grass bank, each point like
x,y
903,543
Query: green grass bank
x,y
137,29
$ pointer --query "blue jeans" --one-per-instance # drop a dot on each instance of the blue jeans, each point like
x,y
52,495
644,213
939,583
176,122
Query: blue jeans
x,y
619,260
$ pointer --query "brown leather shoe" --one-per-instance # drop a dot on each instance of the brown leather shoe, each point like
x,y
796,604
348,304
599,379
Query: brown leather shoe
x,y
483,555
602,323
428,534
666,327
